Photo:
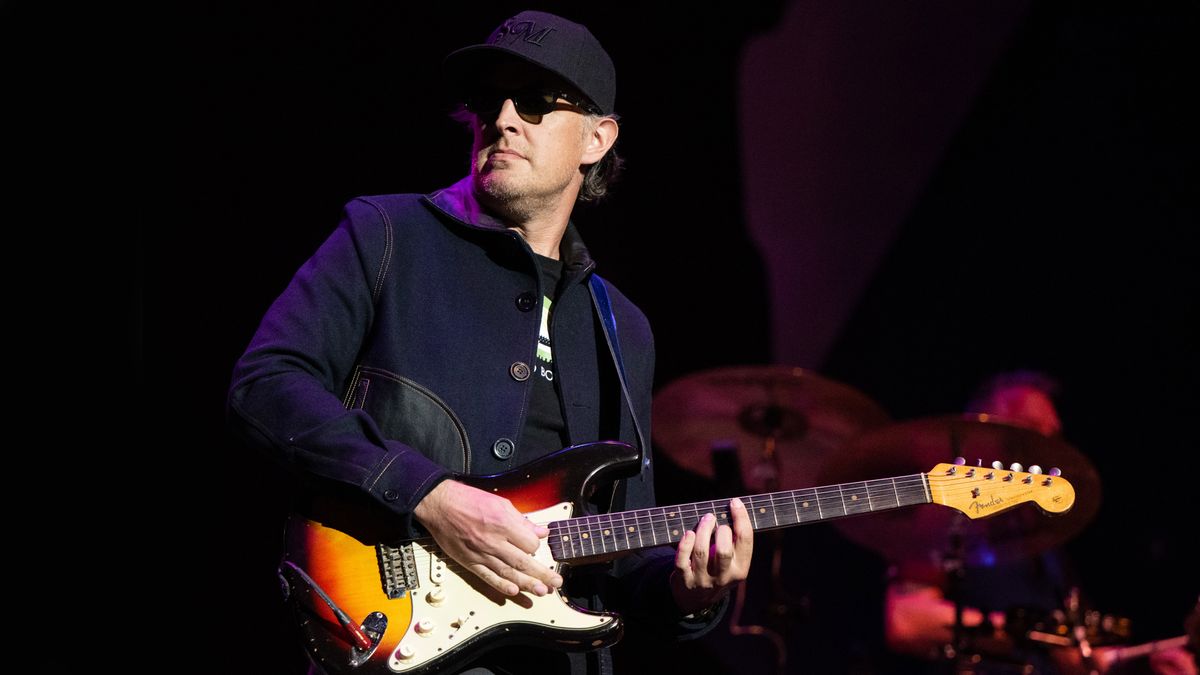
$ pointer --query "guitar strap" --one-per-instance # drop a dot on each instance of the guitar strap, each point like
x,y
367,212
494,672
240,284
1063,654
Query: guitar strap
x,y
604,309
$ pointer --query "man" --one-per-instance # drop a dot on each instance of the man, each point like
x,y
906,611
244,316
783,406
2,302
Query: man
x,y
408,350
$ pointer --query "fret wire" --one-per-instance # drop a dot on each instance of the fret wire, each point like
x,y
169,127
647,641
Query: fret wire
x,y
592,539
905,491
579,536
639,533
570,538
586,543
595,532
604,541
624,531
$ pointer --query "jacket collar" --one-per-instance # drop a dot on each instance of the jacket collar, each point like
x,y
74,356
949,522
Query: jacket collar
x,y
458,201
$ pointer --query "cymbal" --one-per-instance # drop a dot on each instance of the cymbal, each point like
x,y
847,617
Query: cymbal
x,y
783,421
923,534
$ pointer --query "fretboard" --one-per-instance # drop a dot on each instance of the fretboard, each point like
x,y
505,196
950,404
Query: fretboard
x,y
612,533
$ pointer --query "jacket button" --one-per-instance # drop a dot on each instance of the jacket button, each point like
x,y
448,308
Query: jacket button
x,y
390,495
526,301
519,371
503,448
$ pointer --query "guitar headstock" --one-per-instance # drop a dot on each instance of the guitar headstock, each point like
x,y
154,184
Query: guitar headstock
x,y
982,491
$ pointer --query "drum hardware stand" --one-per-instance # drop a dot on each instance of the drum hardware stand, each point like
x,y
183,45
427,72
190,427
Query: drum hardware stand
x,y
955,572
1078,630
730,481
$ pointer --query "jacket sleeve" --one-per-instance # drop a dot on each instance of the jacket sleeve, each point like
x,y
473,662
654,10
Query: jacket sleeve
x,y
284,396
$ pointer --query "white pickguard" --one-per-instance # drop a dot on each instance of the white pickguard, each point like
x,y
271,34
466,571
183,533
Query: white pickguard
x,y
452,606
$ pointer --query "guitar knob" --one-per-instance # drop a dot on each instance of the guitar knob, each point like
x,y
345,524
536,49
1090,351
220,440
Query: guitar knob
x,y
1035,469
998,465
1016,466
1055,472
436,596
405,652
425,626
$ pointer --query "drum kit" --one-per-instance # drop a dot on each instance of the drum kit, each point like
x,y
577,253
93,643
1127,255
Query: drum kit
x,y
754,429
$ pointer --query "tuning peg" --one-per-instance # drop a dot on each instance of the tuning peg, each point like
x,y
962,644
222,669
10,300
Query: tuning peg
x,y
1016,466
998,465
1035,469
978,462
1054,472
959,461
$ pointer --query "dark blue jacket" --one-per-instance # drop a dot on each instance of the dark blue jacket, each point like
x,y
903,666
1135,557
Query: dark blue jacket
x,y
395,355
389,360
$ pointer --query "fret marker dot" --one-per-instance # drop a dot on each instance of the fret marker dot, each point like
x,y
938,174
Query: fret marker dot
x,y
606,533
566,538
675,533
631,528
804,504
584,535
853,498
762,510
671,514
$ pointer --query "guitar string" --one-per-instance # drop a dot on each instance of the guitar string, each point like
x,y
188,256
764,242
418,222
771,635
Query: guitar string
x,y
659,516
824,495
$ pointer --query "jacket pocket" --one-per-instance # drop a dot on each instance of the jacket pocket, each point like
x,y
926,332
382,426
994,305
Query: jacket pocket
x,y
407,412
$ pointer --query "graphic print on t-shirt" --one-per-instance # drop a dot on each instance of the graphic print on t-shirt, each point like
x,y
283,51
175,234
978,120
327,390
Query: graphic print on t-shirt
x,y
545,427
545,355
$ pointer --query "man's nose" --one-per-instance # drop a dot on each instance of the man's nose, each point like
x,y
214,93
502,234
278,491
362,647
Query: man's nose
x,y
507,116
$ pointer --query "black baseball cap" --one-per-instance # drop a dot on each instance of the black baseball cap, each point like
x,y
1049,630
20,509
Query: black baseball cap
x,y
564,48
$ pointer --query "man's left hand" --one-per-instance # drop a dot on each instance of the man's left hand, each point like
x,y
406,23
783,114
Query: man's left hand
x,y
706,566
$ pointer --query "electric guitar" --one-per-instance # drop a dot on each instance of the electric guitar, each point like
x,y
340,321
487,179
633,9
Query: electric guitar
x,y
369,604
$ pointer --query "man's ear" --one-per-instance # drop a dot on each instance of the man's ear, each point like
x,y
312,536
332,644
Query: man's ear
x,y
599,140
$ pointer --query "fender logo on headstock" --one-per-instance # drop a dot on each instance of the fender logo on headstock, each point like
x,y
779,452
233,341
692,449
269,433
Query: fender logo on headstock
x,y
997,501
978,507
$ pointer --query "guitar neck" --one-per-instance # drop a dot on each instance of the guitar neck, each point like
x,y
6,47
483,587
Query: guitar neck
x,y
608,534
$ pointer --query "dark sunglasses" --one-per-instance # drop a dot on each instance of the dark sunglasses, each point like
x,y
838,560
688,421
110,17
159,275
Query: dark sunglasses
x,y
531,105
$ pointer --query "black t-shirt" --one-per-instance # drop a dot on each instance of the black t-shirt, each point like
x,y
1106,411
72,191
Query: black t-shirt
x,y
545,429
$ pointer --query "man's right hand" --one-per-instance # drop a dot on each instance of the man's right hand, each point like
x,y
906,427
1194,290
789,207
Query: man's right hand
x,y
488,536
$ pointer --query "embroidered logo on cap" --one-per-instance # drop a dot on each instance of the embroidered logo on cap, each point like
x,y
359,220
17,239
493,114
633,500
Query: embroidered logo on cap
x,y
526,31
